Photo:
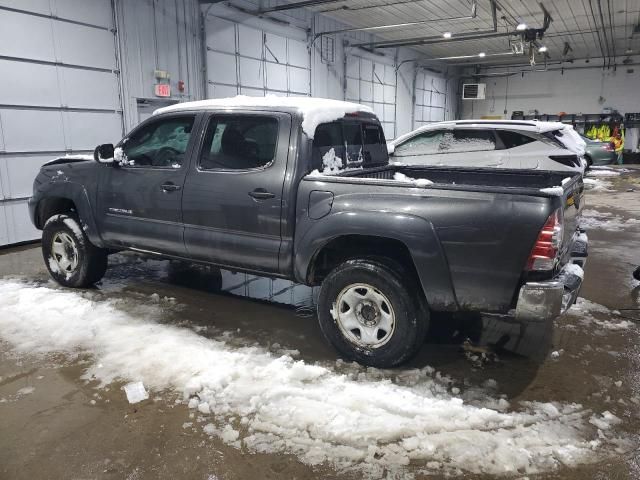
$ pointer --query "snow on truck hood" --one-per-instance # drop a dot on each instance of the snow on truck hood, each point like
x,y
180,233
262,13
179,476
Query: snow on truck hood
x,y
314,110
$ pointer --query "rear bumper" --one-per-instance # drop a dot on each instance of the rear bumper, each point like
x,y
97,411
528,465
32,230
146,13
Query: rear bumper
x,y
545,301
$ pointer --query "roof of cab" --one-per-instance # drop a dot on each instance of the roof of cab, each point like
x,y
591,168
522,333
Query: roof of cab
x,y
313,110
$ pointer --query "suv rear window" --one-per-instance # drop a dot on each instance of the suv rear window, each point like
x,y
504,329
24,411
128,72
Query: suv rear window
x,y
512,139
358,144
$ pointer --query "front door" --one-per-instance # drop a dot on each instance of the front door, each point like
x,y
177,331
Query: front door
x,y
233,195
139,197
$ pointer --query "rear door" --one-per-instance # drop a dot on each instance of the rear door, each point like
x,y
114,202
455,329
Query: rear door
x,y
233,196
139,200
471,148
524,151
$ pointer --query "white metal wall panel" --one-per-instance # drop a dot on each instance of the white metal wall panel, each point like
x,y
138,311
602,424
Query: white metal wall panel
x,y
250,60
432,99
373,84
59,93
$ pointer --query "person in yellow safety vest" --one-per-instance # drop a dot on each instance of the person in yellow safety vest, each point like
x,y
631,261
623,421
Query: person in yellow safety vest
x,y
618,145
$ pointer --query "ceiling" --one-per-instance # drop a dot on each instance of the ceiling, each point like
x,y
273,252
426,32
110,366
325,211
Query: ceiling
x,y
576,22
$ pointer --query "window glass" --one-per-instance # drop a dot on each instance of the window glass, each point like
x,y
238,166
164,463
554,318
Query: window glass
x,y
159,144
239,142
467,141
423,144
514,139
354,143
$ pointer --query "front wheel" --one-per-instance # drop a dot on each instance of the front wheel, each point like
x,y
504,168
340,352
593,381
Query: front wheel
x,y
370,315
72,260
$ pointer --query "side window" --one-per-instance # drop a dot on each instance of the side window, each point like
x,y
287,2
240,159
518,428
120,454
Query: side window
x,y
514,139
160,144
375,145
423,144
468,141
239,142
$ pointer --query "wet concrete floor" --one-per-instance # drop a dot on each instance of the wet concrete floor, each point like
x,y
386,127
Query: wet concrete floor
x,y
55,425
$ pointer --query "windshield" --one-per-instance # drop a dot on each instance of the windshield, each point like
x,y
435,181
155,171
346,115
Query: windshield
x,y
349,144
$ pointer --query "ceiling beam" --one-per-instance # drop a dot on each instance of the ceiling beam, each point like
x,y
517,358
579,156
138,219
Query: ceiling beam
x,y
435,40
294,5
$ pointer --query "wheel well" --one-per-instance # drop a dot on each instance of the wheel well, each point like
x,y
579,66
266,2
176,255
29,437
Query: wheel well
x,y
49,207
337,251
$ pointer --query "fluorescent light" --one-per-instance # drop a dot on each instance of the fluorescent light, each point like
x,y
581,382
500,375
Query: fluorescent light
x,y
481,54
521,26
542,49
446,34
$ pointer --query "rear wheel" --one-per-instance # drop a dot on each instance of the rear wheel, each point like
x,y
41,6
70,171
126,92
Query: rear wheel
x,y
370,315
72,260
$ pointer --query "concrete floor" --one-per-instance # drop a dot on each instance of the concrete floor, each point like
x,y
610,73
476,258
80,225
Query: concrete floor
x,y
70,428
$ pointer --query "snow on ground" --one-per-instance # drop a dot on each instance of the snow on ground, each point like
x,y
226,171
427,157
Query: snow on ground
x,y
585,310
597,185
360,422
595,219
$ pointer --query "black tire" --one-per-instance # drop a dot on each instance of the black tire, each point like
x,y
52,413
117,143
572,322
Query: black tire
x,y
411,317
62,235
589,163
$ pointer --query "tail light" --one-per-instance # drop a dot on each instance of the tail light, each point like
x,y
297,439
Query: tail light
x,y
568,160
608,147
545,251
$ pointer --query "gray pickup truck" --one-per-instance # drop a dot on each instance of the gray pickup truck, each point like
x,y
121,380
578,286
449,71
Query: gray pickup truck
x,y
302,189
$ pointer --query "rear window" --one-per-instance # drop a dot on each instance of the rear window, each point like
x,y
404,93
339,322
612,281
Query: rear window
x,y
356,144
514,139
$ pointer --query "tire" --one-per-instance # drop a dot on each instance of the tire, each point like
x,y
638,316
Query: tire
x,y
589,163
72,260
369,314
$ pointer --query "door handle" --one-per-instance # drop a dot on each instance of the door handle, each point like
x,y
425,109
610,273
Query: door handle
x,y
261,194
170,187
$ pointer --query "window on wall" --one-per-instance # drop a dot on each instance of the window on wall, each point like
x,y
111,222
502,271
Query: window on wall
x,y
239,142
161,143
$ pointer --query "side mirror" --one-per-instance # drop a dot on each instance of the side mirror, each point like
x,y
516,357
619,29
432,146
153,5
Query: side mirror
x,y
391,148
104,153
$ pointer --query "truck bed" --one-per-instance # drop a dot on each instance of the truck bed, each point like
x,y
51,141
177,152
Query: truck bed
x,y
527,182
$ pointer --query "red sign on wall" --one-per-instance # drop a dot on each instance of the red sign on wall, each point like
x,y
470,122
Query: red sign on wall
x,y
163,90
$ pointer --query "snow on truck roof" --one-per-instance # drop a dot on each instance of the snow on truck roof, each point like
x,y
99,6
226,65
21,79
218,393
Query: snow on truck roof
x,y
314,110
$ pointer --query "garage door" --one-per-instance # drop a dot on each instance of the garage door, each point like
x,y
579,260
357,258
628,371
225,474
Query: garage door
x,y
247,60
373,84
59,94
431,99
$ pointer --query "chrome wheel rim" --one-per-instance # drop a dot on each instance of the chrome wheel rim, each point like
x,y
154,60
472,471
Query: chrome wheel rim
x,y
64,252
364,315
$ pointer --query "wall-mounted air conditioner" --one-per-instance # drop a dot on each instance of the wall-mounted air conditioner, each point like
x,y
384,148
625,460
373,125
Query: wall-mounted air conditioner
x,y
473,91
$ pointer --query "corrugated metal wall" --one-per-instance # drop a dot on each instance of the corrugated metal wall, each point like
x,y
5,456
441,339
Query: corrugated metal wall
x,y
158,35
59,94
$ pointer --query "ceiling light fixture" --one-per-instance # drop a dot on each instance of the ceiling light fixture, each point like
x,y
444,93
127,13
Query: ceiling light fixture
x,y
542,49
481,54
521,26
446,34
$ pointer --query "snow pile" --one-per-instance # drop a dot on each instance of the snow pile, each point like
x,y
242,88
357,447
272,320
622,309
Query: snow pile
x,y
604,220
314,110
331,162
603,172
597,185
572,139
420,182
557,191
450,144
362,423
586,309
